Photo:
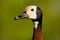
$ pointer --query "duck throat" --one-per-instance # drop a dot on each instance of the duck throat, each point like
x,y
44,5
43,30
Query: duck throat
x,y
36,24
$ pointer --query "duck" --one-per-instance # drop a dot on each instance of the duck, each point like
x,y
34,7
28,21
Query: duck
x,y
33,13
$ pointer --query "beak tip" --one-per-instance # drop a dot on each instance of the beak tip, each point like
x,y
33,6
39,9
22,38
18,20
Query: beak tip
x,y
15,18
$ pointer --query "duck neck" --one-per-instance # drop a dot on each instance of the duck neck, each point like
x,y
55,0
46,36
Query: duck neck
x,y
37,24
37,30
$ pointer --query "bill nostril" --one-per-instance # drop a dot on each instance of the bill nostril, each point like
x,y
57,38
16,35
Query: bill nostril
x,y
19,16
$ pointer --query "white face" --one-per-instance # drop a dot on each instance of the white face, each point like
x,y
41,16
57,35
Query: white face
x,y
31,12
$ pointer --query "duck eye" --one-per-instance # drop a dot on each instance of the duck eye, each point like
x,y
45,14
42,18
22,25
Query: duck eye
x,y
24,11
32,9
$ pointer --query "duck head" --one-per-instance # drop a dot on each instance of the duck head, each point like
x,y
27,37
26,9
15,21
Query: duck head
x,y
30,12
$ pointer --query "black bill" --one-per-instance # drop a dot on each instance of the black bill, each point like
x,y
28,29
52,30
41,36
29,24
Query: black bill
x,y
22,16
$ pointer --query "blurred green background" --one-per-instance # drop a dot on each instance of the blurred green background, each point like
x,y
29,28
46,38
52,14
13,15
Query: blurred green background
x,y
23,29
